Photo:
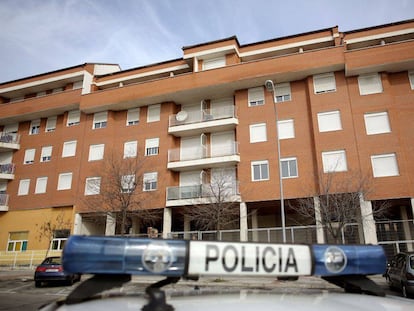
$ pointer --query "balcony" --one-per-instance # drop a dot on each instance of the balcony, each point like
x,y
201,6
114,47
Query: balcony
x,y
7,171
201,194
9,141
199,157
4,201
192,123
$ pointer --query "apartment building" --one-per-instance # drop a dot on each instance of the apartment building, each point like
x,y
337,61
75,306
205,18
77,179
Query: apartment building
x,y
342,104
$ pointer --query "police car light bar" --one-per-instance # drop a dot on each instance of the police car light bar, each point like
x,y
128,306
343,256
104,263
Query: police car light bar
x,y
181,258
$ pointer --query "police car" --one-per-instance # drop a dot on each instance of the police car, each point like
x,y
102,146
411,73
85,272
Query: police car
x,y
113,260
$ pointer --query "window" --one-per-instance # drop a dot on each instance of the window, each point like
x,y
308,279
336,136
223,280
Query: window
x,y
34,127
214,63
370,84
256,96
46,154
286,129
77,85
324,83
29,156
329,121
41,183
154,112
377,123
260,170
59,239
289,167
100,120
334,161
384,165
282,92
92,185
258,133
132,116
64,181
152,146
17,241
411,78
128,183
24,185
130,149
73,118
150,181
96,152
51,124
58,90
69,149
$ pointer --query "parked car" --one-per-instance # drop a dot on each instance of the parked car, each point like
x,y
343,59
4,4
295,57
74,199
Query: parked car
x,y
51,270
400,273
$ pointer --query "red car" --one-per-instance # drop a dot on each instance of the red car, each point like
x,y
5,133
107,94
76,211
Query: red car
x,y
51,270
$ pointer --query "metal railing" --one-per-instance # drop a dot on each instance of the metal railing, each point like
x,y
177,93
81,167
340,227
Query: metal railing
x,y
7,168
4,199
26,259
11,138
204,115
202,152
201,191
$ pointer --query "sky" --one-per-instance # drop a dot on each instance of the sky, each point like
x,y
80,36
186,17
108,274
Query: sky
x,y
39,36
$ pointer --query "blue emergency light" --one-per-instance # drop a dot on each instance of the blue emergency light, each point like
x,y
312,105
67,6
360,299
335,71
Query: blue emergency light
x,y
181,258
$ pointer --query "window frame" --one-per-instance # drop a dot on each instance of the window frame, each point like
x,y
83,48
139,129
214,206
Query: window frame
x,y
288,161
29,156
130,146
41,185
34,127
23,240
92,185
376,172
318,89
132,116
256,132
255,96
150,179
67,147
51,124
46,154
73,118
286,126
152,148
331,125
24,187
372,128
96,152
325,161
369,89
100,120
261,164
154,113
213,63
60,185
411,79
283,92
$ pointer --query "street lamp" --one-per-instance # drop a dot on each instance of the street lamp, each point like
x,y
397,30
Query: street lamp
x,y
270,87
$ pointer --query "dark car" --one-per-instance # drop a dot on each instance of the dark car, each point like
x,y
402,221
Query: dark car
x,y
400,273
51,270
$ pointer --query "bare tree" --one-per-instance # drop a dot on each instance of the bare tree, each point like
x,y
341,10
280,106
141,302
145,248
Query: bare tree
x,y
339,203
219,204
118,190
48,229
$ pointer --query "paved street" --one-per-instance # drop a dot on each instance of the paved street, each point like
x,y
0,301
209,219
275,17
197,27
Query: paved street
x,y
17,290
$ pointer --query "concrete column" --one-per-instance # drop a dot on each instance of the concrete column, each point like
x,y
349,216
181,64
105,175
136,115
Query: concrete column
x,y
368,222
320,234
110,224
77,225
135,225
243,222
187,227
255,225
406,227
166,227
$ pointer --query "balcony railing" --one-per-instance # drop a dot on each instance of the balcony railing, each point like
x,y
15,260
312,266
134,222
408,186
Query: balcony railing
x,y
7,168
227,191
204,115
202,152
10,138
4,199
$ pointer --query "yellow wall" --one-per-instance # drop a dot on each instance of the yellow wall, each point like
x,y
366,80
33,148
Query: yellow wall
x,y
32,221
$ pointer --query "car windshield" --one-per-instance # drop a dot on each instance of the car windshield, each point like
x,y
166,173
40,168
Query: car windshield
x,y
52,261
411,261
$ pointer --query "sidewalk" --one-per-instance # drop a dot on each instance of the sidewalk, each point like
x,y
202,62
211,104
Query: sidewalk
x,y
16,274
